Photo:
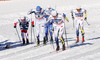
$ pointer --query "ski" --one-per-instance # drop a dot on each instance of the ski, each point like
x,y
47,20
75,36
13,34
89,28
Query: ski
x,y
60,50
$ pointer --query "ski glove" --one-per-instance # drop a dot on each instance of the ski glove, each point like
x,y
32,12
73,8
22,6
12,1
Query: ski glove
x,y
85,18
64,15
72,17
14,26
32,25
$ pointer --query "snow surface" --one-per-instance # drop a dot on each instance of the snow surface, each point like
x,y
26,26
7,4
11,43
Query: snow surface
x,y
13,9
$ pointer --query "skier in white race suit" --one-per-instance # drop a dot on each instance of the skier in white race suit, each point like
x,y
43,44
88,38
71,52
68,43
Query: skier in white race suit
x,y
79,15
39,24
58,27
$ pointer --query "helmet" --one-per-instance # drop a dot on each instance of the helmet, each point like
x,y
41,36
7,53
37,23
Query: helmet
x,y
22,18
38,8
78,7
54,13
49,6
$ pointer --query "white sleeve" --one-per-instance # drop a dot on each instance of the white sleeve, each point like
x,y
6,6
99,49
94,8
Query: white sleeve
x,y
27,19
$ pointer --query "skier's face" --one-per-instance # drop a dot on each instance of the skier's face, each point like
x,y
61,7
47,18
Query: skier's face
x,y
22,20
78,10
54,17
49,8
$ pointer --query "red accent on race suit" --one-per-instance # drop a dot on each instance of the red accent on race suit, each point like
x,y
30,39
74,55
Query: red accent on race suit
x,y
38,18
60,22
15,23
77,16
25,31
32,22
81,19
62,26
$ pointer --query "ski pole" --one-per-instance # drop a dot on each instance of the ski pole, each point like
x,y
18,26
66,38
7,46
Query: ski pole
x,y
31,29
87,22
18,34
34,35
65,33
66,37
73,24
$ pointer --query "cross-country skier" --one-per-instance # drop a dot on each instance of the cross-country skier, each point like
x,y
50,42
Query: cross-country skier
x,y
24,25
79,15
58,26
48,25
39,24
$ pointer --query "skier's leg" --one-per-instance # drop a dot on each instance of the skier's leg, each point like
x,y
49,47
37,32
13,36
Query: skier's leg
x,y
43,33
50,30
46,32
26,34
77,32
37,33
22,34
61,31
82,26
56,36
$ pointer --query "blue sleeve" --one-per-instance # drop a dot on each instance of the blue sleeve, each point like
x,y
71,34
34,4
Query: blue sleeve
x,y
52,9
46,16
33,12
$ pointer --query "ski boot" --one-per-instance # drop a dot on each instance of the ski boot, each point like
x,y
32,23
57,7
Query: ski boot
x,y
57,49
64,48
51,41
77,40
47,39
44,41
83,39
23,41
38,41
27,41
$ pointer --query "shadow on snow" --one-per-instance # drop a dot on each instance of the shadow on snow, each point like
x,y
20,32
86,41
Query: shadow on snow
x,y
81,44
12,44
94,38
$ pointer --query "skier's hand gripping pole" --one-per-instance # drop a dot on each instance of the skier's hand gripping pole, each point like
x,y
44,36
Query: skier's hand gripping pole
x,y
65,17
86,18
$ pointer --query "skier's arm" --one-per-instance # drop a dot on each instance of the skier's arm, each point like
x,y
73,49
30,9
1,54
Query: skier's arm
x,y
30,12
65,17
85,15
72,15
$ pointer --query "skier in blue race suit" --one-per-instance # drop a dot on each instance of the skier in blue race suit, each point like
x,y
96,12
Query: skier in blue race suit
x,y
48,25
